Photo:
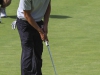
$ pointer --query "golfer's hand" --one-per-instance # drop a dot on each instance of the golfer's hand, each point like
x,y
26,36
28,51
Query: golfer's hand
x,y
43,35
46,37
45,30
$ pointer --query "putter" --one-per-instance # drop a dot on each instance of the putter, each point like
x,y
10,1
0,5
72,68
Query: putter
x,y
47,44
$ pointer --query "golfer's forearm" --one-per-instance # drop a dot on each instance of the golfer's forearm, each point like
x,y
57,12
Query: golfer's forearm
x,y
47,14
31,21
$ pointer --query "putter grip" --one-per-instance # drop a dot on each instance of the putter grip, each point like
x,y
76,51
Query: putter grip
x,y
47,43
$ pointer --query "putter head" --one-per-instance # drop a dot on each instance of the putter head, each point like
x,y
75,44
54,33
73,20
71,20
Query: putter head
x,y
47,43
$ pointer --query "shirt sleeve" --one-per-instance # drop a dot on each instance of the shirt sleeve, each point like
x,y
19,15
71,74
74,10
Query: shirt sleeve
x,y
26,4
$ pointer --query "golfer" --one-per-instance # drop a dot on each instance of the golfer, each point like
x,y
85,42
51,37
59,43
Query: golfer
x,y
31,16
3,5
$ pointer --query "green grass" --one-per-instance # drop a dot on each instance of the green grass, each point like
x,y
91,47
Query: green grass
x,y
74,35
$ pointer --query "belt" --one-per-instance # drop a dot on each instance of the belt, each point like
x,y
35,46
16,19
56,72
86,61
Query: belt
x,y
38,22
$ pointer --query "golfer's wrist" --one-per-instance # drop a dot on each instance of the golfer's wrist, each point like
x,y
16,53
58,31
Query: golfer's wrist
x,y
40,31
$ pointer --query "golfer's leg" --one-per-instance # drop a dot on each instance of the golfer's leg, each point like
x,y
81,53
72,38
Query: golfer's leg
x,y
27,49
38,47
26,61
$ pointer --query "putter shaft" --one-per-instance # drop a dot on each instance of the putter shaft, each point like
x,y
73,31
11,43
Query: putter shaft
x,y
47,44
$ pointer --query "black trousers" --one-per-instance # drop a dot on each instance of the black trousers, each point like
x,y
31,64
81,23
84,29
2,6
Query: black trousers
x,y
32,48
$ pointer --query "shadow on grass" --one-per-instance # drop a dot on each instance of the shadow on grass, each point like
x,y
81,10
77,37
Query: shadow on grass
x,y
60,16
13,16
51,16
1,23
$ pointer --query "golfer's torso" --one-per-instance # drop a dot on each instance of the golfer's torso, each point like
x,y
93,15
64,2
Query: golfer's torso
x,y
37,3
37,7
